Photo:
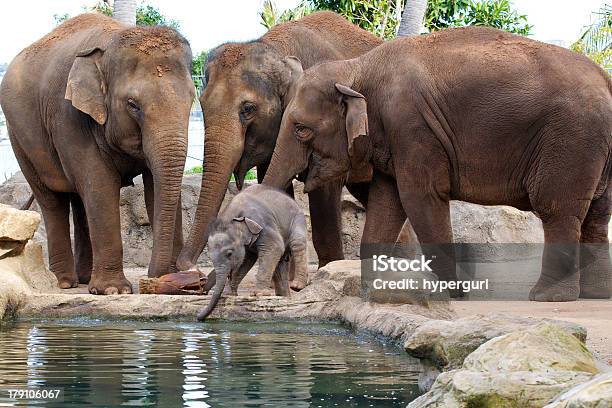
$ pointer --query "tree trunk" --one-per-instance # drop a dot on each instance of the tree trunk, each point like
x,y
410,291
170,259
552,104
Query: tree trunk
x,y
412,18
124,11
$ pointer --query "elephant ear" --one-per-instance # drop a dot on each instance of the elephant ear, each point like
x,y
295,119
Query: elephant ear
x,y
295,71
356,114
253,227
86,87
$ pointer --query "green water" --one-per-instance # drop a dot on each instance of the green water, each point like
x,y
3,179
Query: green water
x,y
103,364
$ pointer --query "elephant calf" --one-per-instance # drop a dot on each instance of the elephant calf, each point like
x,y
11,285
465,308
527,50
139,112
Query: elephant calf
x,y
259,222
472,114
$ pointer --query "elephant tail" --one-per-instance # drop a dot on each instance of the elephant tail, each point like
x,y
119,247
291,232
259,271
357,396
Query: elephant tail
x,y
27,204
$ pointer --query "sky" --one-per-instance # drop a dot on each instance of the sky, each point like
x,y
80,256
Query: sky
x,y
207,23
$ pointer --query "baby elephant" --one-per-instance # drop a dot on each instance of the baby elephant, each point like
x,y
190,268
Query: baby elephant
x,y
263,222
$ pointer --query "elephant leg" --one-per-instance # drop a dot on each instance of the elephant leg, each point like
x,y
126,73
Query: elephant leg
x,y
55,208
564,208
326,220
102,208
82,242
384,217
281,277
268,261
237,276
56,212
559,279
298,267
595,266
424,192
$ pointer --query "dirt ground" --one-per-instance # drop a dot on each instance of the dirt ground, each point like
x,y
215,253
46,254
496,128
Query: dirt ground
x,y
594,315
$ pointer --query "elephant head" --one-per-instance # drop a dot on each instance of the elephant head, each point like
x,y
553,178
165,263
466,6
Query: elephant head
x,y
139,92
228,240
246,89
322,129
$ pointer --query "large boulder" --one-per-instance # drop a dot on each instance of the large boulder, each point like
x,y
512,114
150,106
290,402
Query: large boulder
x,y
16,225
526,368
446,343
22,269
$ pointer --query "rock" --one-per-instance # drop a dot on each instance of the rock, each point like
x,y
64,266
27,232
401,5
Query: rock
x,y
447,343
596,393
345,276
525,368
30,268
466,389
13,293
22,274
17,225
543,347
473,223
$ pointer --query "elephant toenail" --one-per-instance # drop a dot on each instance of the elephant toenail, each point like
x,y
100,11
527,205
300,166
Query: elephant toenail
x,y
111,291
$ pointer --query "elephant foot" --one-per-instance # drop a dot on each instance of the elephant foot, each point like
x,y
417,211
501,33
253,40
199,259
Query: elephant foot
x,y
297,285
112,286
555,290
263,292
67,282
596,280
595,292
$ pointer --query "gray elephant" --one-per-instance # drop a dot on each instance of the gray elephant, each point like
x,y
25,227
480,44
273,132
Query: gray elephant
x,y
260,222
472,114
247,88
90,106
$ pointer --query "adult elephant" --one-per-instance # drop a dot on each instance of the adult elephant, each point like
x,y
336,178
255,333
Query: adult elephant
x,y
247,87
470,114
88,107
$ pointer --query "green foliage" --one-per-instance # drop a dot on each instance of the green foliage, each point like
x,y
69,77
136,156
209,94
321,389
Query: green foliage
x,y
596,40
194,170
146,15
460,13
199,60
251,174
382,17
270,15
376,16
60,18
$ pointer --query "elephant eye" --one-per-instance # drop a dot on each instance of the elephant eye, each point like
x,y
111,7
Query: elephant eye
x,y
133,106
303,133
248,110
229,253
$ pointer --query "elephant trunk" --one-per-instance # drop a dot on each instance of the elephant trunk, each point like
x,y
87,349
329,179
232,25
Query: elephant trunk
x,y
166,151
290,158
223,147
221,279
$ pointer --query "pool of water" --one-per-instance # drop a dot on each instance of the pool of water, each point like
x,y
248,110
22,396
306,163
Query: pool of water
x,y
102,364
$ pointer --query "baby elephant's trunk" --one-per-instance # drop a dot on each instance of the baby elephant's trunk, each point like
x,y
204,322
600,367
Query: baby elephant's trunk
x,y
220,279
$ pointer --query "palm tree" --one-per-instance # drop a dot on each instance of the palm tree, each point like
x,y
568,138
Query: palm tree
x,y
124,11
412,18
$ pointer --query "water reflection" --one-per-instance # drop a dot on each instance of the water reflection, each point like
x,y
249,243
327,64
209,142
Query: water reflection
x,y
214,365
